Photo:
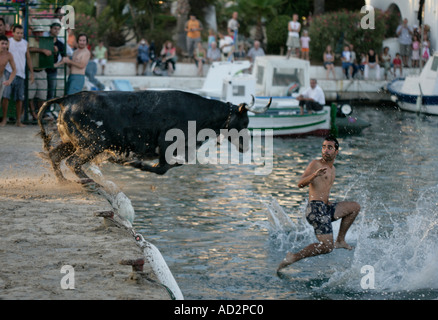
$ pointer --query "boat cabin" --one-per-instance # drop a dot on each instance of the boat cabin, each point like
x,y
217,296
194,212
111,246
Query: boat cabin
x,y
278,76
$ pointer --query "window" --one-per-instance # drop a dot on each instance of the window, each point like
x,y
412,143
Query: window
x,y
260,74
285,76
435,64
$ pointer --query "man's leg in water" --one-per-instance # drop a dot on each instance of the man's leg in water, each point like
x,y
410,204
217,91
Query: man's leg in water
x,y
325,245
347,211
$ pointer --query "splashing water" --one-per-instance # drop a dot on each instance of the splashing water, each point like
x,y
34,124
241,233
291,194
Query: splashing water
x,y
404,259
284,232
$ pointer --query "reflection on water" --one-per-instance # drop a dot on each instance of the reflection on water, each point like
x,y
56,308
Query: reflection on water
x,y
223,230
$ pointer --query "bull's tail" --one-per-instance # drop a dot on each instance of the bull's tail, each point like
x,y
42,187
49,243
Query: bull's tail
x,y
46,137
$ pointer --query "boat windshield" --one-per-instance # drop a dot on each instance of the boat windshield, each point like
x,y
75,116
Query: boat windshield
x,y
285,76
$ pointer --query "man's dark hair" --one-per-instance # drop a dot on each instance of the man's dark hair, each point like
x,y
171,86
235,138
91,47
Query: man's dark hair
x,y
2,20
4,38
83,35
17,26
55,24
333,139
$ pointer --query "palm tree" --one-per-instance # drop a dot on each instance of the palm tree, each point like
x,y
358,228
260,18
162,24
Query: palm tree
x,y
100,5
259,9
182,10
318,7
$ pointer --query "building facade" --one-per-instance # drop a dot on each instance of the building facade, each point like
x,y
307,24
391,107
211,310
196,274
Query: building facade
x,y
409,9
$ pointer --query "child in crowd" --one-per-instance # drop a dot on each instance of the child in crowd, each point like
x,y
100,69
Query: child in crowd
x,y
363,62
305,45
386,62
425,54
397,62
415,52
211,37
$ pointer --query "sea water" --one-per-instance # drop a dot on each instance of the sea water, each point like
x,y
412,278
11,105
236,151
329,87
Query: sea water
x,y
223,230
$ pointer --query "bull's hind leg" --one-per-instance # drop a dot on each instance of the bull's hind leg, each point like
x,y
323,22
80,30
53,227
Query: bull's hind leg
x,y
56,155
77,160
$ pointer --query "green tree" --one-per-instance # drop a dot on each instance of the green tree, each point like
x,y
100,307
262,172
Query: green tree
x,y
254,11
277,32
343,27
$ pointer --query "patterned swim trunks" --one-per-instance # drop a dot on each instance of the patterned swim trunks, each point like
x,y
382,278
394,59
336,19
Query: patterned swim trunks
x,y
320,216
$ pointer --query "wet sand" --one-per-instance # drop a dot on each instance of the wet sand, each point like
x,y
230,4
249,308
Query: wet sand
x,y
45,226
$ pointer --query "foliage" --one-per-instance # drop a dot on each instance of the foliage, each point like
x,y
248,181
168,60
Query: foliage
x,y
254,12
276,32
344,27
88,25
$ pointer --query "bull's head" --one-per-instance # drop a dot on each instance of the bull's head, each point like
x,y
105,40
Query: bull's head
x,y
240,137
250,107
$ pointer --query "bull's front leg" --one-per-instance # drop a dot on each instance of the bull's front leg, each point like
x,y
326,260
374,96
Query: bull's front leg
x,y
75,163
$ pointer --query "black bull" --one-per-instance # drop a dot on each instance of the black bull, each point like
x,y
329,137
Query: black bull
x,y
132,123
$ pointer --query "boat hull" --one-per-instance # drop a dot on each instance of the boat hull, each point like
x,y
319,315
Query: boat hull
x,y
412,102
288,122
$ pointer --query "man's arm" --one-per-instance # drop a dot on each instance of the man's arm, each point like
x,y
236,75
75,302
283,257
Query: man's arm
x,y
81,64
29,65
39,50
14,71
310,174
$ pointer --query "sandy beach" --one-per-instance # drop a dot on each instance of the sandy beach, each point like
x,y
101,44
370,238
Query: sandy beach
x,y
46,227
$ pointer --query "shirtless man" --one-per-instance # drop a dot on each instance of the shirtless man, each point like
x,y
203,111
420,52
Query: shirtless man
x,y
5,57
78,64
319,176
16,50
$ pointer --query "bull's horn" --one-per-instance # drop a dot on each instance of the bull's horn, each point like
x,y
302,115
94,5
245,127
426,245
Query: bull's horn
x,y
258,110
252,103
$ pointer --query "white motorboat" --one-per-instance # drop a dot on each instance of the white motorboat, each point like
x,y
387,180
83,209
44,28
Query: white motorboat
x,y
418,93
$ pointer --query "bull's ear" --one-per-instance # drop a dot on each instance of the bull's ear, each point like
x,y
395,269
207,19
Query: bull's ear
x,y
242,108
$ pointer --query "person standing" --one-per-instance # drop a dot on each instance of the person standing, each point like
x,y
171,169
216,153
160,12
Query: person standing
x,y
38,89
319,176
293,39
404,33
77,65
100,55
58,53
5,58
193,28
2,27
233,28
19,48
305,45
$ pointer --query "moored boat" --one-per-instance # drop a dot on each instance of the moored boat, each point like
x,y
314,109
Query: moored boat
x,y
418,93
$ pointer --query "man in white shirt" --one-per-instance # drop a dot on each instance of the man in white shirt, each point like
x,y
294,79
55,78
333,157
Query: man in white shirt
x,y
293,39
19,48
313,98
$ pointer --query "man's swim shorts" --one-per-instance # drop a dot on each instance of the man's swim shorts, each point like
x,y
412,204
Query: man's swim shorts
x,y
320,216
